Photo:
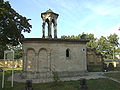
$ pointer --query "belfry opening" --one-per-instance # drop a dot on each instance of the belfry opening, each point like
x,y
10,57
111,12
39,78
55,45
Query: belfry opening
x,y
50,18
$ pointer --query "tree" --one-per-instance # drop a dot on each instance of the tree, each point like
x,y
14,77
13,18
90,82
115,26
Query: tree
x,y
71,37
12,25
2,48
106,45
113,39
92,44
18,52
103,45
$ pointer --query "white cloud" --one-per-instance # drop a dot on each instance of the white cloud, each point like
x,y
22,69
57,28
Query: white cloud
x,y
104,7
106,32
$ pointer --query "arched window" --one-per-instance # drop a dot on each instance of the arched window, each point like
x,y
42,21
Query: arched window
x,y
68,53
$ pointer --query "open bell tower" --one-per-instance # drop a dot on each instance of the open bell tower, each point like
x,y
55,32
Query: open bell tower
x,y
50,18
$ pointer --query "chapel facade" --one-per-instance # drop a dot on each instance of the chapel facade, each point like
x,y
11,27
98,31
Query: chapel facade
x,y
43,56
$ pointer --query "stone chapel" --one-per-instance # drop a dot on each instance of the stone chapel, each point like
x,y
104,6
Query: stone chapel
x,y
43,56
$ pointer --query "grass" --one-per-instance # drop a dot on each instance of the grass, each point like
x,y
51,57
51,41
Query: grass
x,y
115,75
97,84
117,69
17,86
94,84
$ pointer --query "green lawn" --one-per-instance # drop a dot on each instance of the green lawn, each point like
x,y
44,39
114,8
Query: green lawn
x,y
115,75
96,84
117,69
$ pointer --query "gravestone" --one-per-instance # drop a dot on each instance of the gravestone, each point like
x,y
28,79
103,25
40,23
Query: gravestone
x,y
28,85
83,84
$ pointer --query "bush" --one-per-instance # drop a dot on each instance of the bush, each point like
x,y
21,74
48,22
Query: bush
x,y
105,68
94,68
110,66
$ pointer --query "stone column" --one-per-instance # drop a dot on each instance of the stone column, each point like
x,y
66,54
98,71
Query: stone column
x,y
55,28
36,62
55,31
25,62
49,60
49,29
43,29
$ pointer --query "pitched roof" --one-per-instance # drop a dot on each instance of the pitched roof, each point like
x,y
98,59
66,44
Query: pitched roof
x,y
50,11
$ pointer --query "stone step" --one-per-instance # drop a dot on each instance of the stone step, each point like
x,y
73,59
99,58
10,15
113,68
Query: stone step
x,y
35,75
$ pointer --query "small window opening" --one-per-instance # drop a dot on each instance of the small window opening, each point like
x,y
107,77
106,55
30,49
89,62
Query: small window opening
x,y
67,53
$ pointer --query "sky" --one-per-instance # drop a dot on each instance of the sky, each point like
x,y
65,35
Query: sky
x,y
99,17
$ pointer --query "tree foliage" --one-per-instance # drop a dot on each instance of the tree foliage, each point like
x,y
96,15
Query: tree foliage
x,y
113,39
2,48
102,45
18,52
12,24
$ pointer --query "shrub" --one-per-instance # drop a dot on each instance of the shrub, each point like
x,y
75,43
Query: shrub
x,y
110,66
94,68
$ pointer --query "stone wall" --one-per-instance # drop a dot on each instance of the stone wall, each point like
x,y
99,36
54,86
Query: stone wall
x,y
93,58
45,56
